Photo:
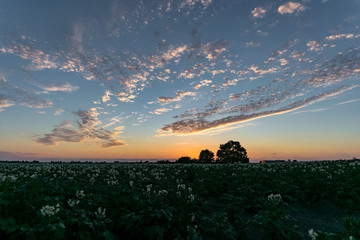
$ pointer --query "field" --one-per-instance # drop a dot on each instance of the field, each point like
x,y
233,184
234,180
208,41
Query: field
x,y
312,200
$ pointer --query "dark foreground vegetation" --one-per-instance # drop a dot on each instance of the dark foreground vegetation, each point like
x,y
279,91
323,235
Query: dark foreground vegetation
x,y
313,200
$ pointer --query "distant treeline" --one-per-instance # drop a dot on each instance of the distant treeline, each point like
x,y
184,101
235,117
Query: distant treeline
x,y
182,160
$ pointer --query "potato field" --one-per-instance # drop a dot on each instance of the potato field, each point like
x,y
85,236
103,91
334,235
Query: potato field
x,y
291,200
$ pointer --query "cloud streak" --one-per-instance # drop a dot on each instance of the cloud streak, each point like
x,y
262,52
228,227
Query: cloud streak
x,y
66,87
196,126
179,96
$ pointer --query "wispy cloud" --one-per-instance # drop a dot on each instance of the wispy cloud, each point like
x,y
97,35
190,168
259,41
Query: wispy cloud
x,y
214,49
59,112
290,7
258,12
196,126
85,130
350,101
66,87
179,96
4,103
5,155
160,111
16,95
339,36
203,83
191,3
38,59
256,70
107,95
314,46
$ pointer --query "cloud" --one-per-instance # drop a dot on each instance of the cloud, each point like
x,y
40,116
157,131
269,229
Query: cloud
x,y
314,46
214,49
125,97
203,83
262,71
350,101
258,12
191,3
283,62
14,94
179,96
342,66
159,111
200,125
290,7
59,112
297,55
5,155
39,60
339,36
66,87
106,97
4,103
85,130
251,44
210,109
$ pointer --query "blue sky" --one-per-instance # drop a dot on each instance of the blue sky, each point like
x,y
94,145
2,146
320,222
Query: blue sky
x,y
161,79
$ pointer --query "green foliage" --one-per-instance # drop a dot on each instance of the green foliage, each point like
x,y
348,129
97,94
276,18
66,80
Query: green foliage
x,y
172,201
231,152
274,221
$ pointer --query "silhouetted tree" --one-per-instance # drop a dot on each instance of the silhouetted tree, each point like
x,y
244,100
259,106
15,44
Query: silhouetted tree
x,y
231,152
206,156
184,160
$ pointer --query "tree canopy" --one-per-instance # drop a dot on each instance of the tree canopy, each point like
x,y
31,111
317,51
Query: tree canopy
x,y
206,156
184,160
231,152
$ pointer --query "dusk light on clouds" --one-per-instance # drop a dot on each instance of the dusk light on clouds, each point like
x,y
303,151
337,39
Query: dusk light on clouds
x,y
163,79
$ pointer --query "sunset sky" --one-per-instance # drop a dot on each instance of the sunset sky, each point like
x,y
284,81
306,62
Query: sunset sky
x,y
163,79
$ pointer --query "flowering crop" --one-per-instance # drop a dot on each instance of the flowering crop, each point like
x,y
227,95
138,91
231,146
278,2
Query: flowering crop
x,y
198,201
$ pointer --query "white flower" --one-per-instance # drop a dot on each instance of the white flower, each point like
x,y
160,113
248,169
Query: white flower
x,y
100,212
113,182
92,180
275,198
148,188
163,192
80,194
33,176
13,178
48,210
191,197
181,186
131,183
312,234
73,202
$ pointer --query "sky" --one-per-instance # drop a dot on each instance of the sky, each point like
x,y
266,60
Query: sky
x,y
162,79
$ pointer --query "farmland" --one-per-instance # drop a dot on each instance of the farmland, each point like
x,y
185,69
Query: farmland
x,y
304,200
